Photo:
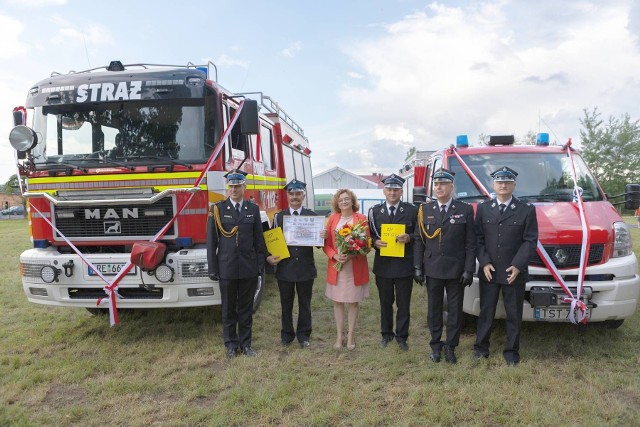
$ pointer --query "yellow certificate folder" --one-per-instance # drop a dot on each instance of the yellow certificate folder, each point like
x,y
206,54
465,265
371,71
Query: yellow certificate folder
x,y
276,245
388,233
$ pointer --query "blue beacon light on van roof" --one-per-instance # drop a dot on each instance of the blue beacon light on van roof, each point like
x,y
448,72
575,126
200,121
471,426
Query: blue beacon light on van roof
x,y
542,139
462,141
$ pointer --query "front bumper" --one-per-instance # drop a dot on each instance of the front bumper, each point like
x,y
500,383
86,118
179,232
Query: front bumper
x,y
191,286
615,286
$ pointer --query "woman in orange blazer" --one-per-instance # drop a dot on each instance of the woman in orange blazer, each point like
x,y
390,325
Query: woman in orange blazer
x,y
350,285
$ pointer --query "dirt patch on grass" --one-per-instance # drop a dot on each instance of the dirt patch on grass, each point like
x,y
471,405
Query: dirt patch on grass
x,y
60,395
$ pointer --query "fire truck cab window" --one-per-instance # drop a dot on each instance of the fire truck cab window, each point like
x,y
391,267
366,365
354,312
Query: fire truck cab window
x,y
125,131
266,145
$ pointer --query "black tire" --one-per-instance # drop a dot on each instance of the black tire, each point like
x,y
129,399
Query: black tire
x,y
98,311
613,324
257,297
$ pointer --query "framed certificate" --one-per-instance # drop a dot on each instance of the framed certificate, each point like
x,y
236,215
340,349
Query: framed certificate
x,y
303,230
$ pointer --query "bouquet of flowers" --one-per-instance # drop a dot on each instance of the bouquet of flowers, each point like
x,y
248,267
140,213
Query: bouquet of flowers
x,y
352,240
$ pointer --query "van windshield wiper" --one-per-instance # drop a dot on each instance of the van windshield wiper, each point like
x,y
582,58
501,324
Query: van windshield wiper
x,y
477,196
164,159
552,197
113,162
48,164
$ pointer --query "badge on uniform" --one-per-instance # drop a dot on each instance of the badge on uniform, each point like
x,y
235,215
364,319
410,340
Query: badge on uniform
x,y
452,221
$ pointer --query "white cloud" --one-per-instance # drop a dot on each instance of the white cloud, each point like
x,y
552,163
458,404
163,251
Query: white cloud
x,y
355,75
398,133
10,32
226,60
446,71
291,50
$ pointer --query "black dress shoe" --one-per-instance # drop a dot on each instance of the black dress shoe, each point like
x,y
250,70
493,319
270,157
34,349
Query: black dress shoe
x,y
305,344
384,342
285,343
232,352
450,355
478,355
249,352
435,357
403,345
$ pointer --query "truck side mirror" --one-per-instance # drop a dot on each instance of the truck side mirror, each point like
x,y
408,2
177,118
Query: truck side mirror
x,y
632,196
419,195
249,124
18,117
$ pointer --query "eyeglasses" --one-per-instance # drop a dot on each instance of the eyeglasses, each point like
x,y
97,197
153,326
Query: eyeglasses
x,y
345,200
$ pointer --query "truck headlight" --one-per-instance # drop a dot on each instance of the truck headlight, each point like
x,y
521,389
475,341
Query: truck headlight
x,y
164,273
622,240
49,274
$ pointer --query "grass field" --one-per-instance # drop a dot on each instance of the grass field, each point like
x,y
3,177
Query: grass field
x,y
63,366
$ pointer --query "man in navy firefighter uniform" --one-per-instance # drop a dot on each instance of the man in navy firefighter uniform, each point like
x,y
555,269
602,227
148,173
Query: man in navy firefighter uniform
x,y
507,231
393,274
236,255
445,252
296,273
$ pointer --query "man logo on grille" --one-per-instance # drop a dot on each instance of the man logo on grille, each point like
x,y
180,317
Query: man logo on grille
x,y
112,227
561,256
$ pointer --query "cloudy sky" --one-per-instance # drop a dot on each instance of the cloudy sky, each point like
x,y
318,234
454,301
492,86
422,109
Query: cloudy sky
x,y
366,79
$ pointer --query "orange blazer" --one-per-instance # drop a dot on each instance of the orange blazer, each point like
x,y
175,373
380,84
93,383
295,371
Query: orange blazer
x,y
360,265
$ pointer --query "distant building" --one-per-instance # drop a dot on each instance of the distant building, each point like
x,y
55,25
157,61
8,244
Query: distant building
x,y
341,178
366,187
8,200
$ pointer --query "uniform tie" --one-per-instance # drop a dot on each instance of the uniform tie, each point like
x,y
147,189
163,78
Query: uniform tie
x,y
238,208
392,212
502,208
295,213
443,210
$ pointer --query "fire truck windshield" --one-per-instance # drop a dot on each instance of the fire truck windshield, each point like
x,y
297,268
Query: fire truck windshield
x,y
541,176
121,131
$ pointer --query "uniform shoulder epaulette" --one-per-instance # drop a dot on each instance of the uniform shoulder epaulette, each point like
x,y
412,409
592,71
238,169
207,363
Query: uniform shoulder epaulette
x,y
487,201
377,205
462,202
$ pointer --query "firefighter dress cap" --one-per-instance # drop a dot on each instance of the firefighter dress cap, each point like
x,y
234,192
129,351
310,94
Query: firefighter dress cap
x,y
295,185
235,177
443,175
393,181
504,174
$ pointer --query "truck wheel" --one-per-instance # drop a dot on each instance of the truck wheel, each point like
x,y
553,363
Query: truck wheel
x,y
98,311
257,297
613,324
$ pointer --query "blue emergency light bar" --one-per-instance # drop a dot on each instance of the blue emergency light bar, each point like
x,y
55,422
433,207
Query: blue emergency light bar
x,y
542,139
462,141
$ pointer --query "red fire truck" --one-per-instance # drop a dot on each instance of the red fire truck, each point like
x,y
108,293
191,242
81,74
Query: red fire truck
x,y
611,283
109,155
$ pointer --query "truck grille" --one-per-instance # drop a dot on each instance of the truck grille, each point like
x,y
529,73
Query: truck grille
x,y
564,256
127,293
119,222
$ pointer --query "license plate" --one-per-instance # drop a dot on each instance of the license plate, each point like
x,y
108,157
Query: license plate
x,y
556,314
110,269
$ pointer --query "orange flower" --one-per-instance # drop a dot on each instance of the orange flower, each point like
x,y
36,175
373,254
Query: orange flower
x,y
344,232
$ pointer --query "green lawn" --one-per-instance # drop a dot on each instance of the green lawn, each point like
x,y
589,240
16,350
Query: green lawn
x,y
63,366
